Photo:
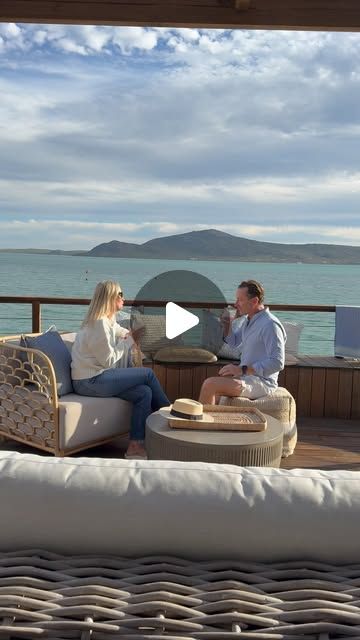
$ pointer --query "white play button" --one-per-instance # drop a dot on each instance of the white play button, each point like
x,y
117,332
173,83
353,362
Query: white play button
x,y
178,320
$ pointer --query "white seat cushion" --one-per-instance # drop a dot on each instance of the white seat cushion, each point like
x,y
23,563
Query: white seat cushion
x,y
83,419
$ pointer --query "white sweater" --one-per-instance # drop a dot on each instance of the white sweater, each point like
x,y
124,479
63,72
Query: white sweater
x,y
102,345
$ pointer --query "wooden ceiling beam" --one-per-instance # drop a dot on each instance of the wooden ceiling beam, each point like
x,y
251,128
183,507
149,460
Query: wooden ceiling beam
x,y
334,15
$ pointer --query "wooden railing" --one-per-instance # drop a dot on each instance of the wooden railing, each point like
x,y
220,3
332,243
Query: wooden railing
x,y
36,303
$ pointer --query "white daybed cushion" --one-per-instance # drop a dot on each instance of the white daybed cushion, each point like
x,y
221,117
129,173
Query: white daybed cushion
x,y
193,510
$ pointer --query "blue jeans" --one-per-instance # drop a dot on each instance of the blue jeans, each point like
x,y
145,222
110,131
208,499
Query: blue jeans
x,y
138,385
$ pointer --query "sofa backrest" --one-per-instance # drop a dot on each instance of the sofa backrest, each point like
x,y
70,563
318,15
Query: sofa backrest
x,y
193,510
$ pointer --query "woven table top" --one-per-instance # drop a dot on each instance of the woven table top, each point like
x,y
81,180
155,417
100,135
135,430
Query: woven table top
x,y
224,418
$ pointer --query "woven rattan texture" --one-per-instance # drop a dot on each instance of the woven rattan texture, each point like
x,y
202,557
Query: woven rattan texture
x,y
279,405
244,417
88,597
221,421
26,407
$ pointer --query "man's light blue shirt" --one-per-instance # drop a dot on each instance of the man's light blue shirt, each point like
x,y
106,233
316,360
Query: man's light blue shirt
x,y
263,345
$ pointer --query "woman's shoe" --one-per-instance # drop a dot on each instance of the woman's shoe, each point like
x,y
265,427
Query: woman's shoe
x,y
136,450
134,456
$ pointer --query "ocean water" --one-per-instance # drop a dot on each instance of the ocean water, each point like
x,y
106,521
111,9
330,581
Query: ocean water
x,y
76,276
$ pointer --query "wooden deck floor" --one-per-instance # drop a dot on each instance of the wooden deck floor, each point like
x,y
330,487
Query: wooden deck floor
x,y
326,443
323,443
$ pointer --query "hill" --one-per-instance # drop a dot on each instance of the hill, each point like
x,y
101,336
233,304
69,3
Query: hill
x,y
212,244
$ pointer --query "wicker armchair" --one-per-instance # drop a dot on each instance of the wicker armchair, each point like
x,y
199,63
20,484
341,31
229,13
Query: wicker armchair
x,y
32,413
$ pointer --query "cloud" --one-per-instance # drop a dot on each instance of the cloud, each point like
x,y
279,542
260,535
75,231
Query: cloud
x,y
204,126
82,40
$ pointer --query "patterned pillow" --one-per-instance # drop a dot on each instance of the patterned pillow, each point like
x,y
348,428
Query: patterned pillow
x,y
136,356
229,353
213,336
153,337
52,345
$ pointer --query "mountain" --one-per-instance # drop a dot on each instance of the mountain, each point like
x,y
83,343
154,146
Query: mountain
x,y
212,244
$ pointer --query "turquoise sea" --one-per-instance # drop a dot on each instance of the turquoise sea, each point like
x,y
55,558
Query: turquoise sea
x,y
76,276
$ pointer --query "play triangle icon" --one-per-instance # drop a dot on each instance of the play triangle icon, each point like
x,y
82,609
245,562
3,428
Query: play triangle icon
x,y
178,320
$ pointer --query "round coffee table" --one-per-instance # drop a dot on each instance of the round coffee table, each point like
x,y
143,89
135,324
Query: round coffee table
x,y
245,448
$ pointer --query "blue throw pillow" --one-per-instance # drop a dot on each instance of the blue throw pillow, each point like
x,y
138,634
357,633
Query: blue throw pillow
x,y
52,345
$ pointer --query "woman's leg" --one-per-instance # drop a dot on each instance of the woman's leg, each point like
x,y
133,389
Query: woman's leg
x,y
159,398
131,377
111,381
141,397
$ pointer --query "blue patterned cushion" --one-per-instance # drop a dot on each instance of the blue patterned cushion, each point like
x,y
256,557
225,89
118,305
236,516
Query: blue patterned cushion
x,y
52,345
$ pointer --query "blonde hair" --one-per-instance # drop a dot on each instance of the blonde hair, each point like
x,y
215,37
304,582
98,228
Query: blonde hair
x,y
103,301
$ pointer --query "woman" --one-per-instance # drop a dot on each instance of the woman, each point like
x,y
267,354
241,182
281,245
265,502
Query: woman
x,y
100,356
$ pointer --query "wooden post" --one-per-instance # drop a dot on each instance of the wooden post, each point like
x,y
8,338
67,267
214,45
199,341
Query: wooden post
x,y
36,316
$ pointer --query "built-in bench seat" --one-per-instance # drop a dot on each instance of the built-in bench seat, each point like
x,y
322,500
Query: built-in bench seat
x,y
323,386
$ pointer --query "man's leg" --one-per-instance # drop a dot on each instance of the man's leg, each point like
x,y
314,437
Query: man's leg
x,y
219,386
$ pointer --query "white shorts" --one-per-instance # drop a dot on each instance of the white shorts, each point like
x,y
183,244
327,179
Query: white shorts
x,y
253,388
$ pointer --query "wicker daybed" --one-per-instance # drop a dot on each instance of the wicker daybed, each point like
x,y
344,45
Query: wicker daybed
x,y
93,548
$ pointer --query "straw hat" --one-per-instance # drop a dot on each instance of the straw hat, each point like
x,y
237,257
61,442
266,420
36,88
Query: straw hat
x,y
186,409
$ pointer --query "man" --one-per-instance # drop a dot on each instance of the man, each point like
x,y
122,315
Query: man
x,y
263,350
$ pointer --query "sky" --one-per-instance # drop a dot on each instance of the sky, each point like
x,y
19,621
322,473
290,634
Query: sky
x,y
128,133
